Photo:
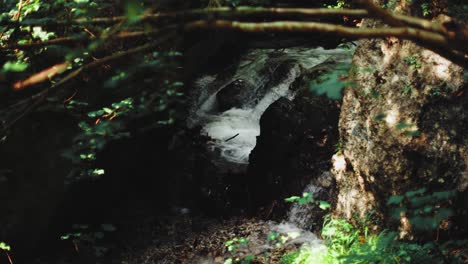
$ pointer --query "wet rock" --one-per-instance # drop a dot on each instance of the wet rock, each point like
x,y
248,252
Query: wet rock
x,y
234,94
296,140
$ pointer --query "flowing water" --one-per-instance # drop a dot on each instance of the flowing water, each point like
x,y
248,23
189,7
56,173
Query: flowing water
x,y
265,76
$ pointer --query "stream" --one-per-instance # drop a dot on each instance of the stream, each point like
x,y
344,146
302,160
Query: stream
x,y
229,106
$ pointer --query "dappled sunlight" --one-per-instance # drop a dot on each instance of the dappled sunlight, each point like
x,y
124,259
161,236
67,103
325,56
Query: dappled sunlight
x,y
441,66
392,116
339,163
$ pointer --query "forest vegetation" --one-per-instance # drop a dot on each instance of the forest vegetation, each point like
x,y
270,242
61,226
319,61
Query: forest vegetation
x,y
233,131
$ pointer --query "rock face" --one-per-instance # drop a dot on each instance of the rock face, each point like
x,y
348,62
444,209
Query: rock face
x,y
296,140
249,112
402,126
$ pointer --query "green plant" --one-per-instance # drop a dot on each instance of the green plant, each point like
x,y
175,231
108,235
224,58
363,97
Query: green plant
x,y
82,235
426,9
408,89
5,248
307,198
424,210
340,235
413,61
439,91
391,4
339,147
339,4
233,245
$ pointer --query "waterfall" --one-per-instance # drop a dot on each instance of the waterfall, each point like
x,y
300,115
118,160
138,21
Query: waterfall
x,y
297,223
228,107
260,78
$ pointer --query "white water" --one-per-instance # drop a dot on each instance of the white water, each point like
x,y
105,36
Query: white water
x,y
243,121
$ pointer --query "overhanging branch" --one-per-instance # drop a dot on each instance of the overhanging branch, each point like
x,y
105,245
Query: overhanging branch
x,y
432,40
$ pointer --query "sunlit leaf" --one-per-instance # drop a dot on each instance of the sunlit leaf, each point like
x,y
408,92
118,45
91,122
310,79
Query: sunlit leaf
x,y
15,66
292,199
324,205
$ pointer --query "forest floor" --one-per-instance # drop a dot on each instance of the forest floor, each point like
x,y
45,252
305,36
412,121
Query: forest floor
x,y
178,236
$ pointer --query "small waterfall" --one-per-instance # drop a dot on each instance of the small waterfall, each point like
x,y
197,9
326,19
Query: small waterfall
x,y
299,215
297,224
261,77
244,122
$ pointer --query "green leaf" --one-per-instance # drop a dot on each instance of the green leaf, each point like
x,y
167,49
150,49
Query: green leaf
x,y
232,247
402,125
445,195
272,236
380,117
418,202
292,199
417,192
395,199
15,66
243,241
228,261
414,133
423,223
5,246
107,110
324,205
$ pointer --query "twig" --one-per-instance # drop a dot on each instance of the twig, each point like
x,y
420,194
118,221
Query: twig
x,y
17,15
231,138
82,39
9,258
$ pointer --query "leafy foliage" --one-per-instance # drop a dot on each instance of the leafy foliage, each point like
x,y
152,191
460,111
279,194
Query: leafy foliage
x,y
347,244
86,236
4,246
307,198
425,210
233,245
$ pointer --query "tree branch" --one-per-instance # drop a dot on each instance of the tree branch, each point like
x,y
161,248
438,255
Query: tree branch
x,y
82,39
39,98
423,37
206,13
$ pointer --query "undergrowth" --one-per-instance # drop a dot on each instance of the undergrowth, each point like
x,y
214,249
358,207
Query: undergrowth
x,y
347,244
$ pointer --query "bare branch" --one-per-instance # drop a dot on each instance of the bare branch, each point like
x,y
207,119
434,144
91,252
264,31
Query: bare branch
x,y
423,37
207,13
